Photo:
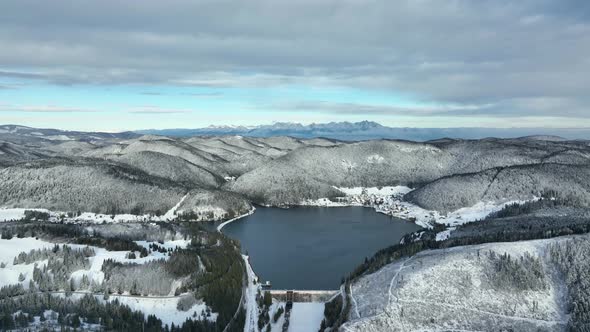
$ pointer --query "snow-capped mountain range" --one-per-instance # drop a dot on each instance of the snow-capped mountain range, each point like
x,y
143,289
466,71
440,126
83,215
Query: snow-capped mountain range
x,y
367,130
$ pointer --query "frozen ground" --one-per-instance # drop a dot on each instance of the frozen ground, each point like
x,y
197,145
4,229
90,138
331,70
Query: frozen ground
x,y
250,298
95,272
450,290
379,191
389,201
7,214
306,317
11,214
164,307
9,249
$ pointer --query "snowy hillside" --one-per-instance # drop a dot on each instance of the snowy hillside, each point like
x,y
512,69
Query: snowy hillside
x,y
511,286
131,175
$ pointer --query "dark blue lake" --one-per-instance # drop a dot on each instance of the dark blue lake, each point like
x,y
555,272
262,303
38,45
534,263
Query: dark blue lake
x,y
313,247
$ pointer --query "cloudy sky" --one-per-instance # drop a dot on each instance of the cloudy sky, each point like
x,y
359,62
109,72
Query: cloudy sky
x,y
114,65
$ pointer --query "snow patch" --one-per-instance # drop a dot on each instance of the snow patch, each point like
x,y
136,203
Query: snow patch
x,y
448,289
220,227
441,236
164,308
389,200
375,159
306,317
383,191
12,214
9,249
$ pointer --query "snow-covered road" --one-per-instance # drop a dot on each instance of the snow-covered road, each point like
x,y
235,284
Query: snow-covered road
x,y
251,305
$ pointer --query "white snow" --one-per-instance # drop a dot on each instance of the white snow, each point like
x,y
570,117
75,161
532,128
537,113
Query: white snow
x,y
278,326
182,244
382,191
250,298
58,138
441,236
426,218
164,308
9,249
171,214
95,272
375,159
306,317
389,200
10,214
348,165
449,290
220,227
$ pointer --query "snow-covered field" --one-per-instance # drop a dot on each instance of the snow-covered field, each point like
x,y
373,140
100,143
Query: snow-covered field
x,y
278,326
12,214
450,290
163,307
9,249
9,214
389,201
306,317
426,218
95,272
378,191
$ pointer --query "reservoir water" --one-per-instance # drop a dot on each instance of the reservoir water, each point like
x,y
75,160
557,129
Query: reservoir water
x,y
313,247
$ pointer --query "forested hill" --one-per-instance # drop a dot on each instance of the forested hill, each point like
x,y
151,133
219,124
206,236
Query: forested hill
x,y
219,176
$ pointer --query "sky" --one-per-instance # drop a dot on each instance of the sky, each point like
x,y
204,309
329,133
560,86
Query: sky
x,y
115,65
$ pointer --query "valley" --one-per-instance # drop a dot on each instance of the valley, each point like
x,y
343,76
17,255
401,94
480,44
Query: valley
x,y
152,230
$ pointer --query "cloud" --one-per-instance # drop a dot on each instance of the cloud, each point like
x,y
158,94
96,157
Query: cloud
x,y
16,74
45,109
151,93
156,110
506,108
67,109
460,52
370,109
204,94
7,87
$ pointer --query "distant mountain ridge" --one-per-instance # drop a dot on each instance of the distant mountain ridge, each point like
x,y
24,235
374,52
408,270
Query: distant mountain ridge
x,y
368,130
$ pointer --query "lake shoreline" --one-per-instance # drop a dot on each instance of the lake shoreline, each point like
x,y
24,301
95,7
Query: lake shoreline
x,y
223,224
310,247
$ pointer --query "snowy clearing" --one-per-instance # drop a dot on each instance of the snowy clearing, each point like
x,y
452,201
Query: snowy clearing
x,y
450,289
163,307
306,317
9,249
426,218
389,201
381,191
